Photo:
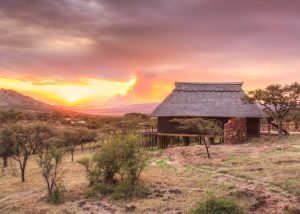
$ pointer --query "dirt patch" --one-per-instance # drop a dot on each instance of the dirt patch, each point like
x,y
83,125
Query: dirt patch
x,y
164,192
99,206
265,201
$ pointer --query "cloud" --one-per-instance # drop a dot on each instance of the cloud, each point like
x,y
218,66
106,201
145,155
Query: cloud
x,y
156,41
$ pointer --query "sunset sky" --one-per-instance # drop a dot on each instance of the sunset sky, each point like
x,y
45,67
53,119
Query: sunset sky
x,y
104,53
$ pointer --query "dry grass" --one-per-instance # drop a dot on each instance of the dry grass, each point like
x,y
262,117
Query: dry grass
x,y
262,175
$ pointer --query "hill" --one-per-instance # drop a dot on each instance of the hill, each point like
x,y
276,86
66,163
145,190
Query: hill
x,y
12,99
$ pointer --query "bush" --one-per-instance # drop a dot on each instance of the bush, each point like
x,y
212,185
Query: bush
x,y
215,205
99,188
58,194
107,163
50,160
132,159
126,190
122,158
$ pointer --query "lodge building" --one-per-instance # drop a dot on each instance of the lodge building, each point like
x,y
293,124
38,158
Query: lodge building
x,y
219,101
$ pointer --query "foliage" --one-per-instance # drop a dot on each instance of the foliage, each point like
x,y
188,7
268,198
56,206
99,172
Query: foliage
x,y
216,205
107,163
201,126
132,158
277,99
50,160
10,116
26,138
294,115
75,137
126,190
6,145
123,158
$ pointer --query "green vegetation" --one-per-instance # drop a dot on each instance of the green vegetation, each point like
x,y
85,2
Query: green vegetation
x,y
116,167
113,165
216,205
278,100
50,160
203,127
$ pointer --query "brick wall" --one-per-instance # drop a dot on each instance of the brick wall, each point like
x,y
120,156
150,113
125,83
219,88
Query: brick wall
x,y
235,131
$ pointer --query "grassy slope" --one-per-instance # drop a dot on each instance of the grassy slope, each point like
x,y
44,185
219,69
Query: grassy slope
x,y
263,175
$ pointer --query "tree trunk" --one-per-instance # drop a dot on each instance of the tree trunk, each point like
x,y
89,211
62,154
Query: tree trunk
x,y
23,175
5,161
72,154
279,126
207,149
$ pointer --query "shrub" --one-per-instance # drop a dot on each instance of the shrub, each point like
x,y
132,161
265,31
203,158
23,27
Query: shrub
x,y
132,159
50,163
215,205
106,162
99,188
58,194
126,190
121,158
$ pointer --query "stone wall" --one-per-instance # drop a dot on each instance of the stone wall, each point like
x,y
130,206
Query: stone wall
x,y
235,131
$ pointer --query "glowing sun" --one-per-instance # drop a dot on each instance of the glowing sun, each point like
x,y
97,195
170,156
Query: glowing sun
x,y
72,99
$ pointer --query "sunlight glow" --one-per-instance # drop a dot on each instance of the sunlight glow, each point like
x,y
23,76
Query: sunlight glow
x,y
87,91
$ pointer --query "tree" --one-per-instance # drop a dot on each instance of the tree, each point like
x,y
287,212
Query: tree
x,y
26,138
49,160
107,161
87,136
294,116
6,145
278,100
201,126
71,138
10,116
132,158
122,157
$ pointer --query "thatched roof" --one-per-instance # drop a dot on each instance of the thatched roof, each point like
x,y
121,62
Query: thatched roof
x,y
207,100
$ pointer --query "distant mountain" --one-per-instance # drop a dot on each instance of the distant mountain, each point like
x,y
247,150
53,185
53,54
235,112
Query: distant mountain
x,y
146,108
12,99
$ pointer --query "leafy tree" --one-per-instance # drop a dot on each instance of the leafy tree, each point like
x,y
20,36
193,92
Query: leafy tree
x,y
6,145
132,158
294,116
10,116
204,127
71,138
277,99
122,157
26,138
75,137
87,136
107,161
50,160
